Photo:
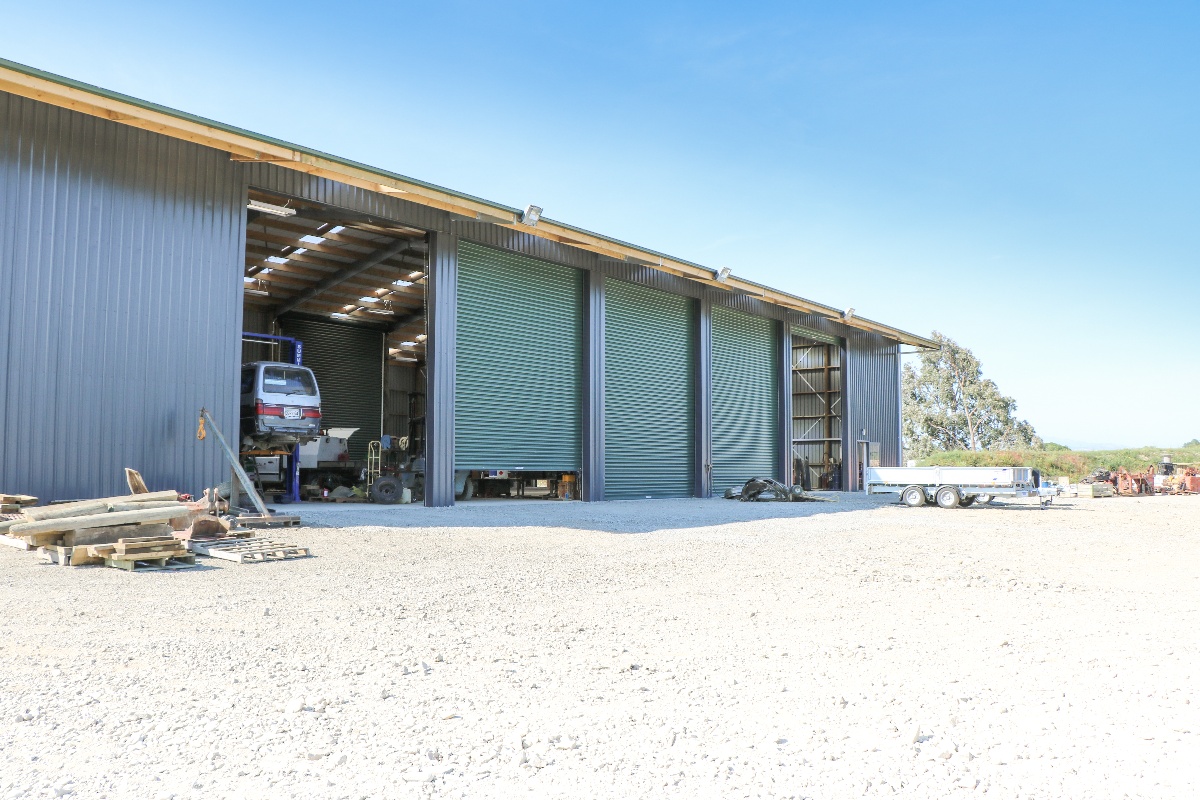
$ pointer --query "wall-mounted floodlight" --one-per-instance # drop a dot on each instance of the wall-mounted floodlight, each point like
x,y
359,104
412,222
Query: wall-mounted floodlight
x,y
531,215
269,208
722,274
848,313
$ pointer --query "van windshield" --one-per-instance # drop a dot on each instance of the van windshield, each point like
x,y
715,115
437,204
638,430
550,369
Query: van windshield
x,y
288,380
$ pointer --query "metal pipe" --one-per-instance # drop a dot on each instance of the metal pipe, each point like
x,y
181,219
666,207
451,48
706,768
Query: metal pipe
x,y
243,478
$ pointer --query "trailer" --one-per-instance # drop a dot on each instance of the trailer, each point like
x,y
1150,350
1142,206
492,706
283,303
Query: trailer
x,y
955,487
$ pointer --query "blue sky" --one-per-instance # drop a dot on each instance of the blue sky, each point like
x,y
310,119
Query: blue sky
x,y
1024,178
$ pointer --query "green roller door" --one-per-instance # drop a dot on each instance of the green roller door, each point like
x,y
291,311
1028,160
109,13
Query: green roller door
x,y
745,399
347,361
648,369
519,360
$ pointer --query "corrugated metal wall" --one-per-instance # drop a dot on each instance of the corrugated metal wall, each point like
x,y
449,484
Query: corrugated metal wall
x,y
648,404
120,263
745,381
872,399
399,385
519,363
120,303
348,362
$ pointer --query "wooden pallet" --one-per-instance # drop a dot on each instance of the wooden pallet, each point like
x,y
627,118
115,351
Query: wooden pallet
x,y
13,541
259,521
244,551
140,564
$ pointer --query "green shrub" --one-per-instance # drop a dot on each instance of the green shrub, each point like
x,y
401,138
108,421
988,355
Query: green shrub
x,y
1075,464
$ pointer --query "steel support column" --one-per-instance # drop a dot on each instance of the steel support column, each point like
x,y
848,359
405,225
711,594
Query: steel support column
x,y
441,302
592,479
703,397
784,468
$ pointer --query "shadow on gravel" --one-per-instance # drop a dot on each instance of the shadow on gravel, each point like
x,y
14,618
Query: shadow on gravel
x,y
616,516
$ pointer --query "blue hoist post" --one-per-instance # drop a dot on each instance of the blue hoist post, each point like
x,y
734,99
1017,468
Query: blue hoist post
x,y
297,354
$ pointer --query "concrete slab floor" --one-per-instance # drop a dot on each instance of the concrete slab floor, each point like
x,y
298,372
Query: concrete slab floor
x,y
616,516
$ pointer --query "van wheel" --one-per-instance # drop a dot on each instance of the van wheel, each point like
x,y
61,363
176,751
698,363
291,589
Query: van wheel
x,y
947,497
913,496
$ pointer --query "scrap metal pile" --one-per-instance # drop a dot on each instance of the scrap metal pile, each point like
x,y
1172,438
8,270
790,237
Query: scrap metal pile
x,y
770,490
1165,477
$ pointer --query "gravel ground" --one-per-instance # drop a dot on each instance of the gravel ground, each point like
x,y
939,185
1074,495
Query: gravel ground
x,y
657,649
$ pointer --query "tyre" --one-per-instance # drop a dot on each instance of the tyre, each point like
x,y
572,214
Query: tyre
x,y
468,490
386,490
947,497
966,501
913,496
983,499
283,499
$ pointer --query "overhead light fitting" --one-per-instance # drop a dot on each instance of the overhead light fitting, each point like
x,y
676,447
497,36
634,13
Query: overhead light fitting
x,y
531,215
722,274
269,208
337,315
258,292
420,337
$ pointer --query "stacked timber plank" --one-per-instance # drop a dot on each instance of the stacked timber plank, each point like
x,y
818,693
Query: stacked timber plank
x,y
13,503
64,528
143,530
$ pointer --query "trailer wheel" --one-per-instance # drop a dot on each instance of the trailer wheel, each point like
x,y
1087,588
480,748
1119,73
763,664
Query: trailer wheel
x,y
966,501
983,499
947,497
913,496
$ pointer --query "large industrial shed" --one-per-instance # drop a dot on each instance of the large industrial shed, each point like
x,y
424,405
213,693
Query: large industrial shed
x,y
141,248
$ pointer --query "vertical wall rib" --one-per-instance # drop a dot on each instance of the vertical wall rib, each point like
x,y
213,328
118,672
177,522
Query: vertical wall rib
x,y
703,397
593,388
441,300
784,365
